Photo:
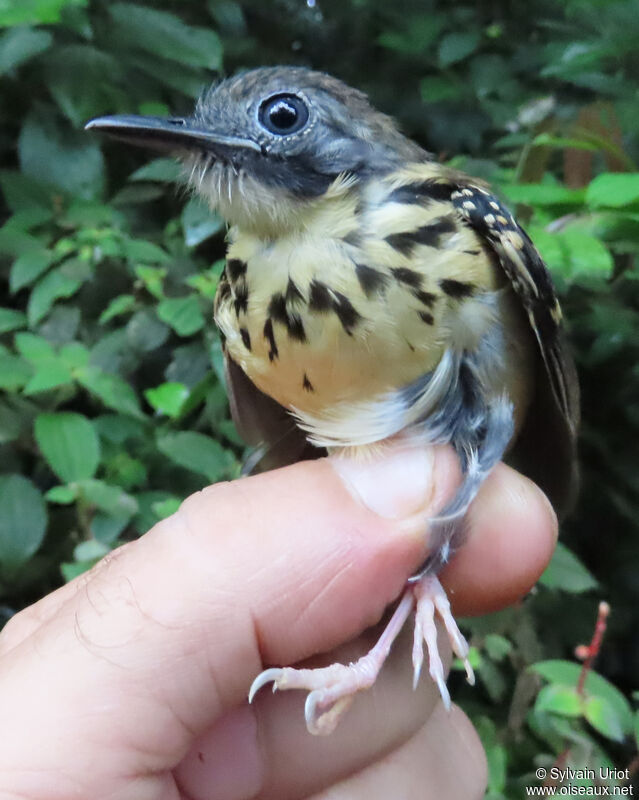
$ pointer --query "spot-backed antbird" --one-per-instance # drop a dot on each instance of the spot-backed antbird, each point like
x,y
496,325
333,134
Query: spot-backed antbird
x,y
371,292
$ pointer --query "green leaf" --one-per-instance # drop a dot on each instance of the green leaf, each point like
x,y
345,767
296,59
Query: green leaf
x,y
26,195
136,194
146,252
90,550
152,278
198,453
495,754
183,314
14,420
497,646
168,398
489,74
205,283
63,495
70,571
92,214
164,508
75,78
11,320
34,348
573,253
603,718
125,471
118,429
74,355
69,444
613,190
63,281
106,529
15,242
147,502
164,170
68,159
23,520
585,255
110,499
114,392
567,573
119,305
455,47
14,372
567,673
199,222
436,88
36,12
541,194
189,365
179,77
28,267
159,32
559,699
33,215
145,332
48,376
418,33
20,45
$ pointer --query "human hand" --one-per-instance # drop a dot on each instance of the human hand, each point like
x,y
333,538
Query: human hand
x,y
131,681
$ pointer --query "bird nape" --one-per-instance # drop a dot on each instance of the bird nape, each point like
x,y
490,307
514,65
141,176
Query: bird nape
x,y
370,292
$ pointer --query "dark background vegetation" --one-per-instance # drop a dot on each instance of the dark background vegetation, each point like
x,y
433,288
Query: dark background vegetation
x,y
111,402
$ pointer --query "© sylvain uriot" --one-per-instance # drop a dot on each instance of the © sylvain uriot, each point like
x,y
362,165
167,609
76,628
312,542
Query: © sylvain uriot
x,y
370,291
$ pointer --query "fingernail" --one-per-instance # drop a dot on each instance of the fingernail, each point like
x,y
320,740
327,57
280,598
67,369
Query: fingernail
x,y
395,483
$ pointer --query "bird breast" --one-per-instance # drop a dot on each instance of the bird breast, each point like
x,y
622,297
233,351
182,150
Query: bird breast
x,y
340,314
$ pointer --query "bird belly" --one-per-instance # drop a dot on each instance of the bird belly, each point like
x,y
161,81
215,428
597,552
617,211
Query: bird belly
x,y
311,339
336,331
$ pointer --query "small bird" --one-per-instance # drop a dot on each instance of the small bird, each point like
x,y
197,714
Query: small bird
x,y
369,292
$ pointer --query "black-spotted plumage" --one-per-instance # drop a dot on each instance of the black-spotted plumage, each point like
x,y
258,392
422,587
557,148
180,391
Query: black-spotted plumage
x,y
370,291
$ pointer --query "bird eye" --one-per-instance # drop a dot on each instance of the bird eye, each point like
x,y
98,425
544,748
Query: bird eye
x,y
283,114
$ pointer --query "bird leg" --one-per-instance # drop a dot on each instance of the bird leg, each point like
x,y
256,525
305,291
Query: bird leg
x,y
332,689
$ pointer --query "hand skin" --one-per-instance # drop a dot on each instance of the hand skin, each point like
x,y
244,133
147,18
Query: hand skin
x,y
131,681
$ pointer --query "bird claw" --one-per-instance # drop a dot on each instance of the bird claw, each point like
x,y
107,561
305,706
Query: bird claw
x,y
321,721
275,674
430,598
331,691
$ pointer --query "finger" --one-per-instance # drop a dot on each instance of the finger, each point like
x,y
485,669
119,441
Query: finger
x,y
512,532
443,759
290,762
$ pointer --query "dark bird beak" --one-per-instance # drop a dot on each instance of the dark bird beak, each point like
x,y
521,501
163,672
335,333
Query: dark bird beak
x,y
167,134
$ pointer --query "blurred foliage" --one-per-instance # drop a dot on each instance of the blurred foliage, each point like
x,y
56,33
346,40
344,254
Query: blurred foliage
x,y
112,406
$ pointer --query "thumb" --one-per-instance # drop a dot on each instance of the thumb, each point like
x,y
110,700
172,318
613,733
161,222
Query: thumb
x,y
167,633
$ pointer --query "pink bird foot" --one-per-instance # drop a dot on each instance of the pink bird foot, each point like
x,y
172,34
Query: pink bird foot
x,y
332,689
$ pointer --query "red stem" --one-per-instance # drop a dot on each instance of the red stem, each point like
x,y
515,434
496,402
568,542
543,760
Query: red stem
x,y
590,652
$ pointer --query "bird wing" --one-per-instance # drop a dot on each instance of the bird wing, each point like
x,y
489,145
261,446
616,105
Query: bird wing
x,y
531,281
550,438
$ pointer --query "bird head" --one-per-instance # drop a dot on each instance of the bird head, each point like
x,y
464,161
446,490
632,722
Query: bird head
x,y
269,143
